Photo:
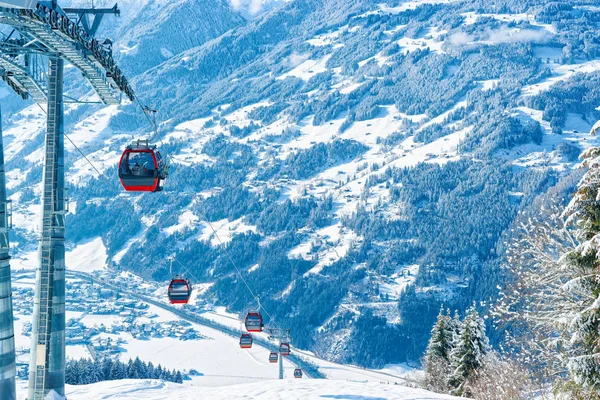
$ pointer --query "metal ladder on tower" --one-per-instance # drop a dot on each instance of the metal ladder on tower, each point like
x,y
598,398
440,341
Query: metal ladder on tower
x,y
46,275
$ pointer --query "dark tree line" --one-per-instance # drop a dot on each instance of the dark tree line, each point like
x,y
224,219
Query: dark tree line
x,y
85,371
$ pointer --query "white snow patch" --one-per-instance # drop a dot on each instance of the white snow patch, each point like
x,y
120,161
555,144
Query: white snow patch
x,y
432,40
28,218
14,178
324,40
92,128
24,261
347,86
399,281
224,231
166,53
299,389
87,257
28,123
332,244
78,351
186,220
308,69
409,5
531,155
489,84
81,172
562,73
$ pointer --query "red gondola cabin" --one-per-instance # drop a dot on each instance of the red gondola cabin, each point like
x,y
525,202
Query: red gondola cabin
x,y
254,322
297,373
246,341
273,358
142,168
180,290
284,349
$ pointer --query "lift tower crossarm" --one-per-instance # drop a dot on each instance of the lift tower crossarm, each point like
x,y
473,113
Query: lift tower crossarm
x,y
98,14
80,11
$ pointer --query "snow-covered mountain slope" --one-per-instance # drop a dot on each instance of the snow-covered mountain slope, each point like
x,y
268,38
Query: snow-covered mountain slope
x,y
253,8
361,162
263,390
101,326
149,32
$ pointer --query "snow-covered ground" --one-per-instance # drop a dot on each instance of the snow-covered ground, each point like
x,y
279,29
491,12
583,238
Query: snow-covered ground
x,y
393,374
307,69
561,73
300,389
87,257
410,5
224,231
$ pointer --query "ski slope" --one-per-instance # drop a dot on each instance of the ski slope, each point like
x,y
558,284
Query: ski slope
x,y
397,374
300,389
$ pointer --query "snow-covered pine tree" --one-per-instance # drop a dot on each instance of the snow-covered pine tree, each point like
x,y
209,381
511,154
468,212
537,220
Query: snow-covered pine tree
x,y
107,364
72,373
456,326
467,356
121,370
583,213
437,356
88,374
140,369
150,370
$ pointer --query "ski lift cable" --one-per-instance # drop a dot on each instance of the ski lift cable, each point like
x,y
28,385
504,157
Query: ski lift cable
x,y
78,149
85,157
239,272
152,121
203,285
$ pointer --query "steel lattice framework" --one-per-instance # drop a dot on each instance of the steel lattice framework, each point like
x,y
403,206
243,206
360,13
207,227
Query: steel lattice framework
x,y
34,46
48,31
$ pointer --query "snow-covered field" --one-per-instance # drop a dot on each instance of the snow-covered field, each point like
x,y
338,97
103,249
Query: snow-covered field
x,y
87,257
263,390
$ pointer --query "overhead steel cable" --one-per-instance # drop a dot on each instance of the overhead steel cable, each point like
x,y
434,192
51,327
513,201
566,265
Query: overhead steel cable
x,y
85,157
215,232
255,297
239,272
107,182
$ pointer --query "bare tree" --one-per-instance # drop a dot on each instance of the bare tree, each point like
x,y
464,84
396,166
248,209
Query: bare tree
x,y
503,379
536,304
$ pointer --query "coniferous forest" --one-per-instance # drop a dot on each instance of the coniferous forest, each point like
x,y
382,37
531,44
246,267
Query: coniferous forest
x,y
85,371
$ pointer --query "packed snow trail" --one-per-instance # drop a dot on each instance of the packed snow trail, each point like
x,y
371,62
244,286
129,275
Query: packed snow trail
x,y
300,389
328,365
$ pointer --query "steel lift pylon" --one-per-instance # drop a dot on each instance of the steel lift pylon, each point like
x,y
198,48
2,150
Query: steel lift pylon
x,y
7,334
31,63
279,335
48,356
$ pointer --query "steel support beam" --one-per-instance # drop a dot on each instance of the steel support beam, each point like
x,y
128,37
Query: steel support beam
x,y
280,366
7,334
47,364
